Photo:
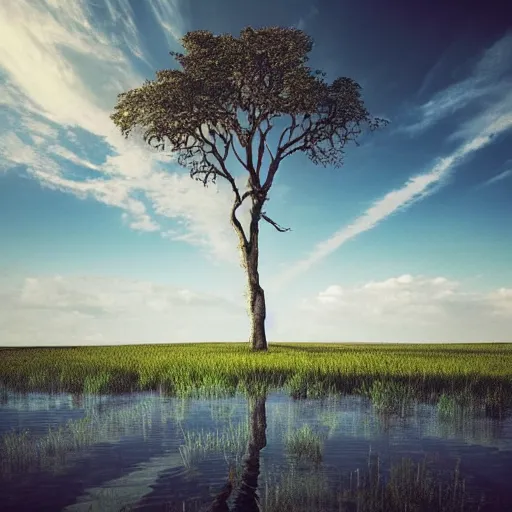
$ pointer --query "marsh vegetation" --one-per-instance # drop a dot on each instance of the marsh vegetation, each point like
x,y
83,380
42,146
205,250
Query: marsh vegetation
x,y
308,425
390,374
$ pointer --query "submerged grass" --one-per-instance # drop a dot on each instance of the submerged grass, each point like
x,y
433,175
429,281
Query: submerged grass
x,y
306,370
407,486
24,451
305,444
231,441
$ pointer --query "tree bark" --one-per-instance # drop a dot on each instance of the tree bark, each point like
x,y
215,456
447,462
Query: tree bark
x,y
249,251
257,310
256,295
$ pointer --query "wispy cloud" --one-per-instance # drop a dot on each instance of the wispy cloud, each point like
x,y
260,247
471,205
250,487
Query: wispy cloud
x,y
301,24
63,63
483,130
443,66
168,17
490,78
124,30
499,177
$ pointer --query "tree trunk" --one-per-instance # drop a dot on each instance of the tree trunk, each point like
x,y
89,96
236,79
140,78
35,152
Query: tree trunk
x,y
249,248
257,310
256,295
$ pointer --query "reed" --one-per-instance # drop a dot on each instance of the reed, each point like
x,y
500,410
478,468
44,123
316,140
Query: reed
x,y
197,445
306,370
388,396
304,445
406,486
22,451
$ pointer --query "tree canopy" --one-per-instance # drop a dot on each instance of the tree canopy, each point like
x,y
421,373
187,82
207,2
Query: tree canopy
x,y
261,75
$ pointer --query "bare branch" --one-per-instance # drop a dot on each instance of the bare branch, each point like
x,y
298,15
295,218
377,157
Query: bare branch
x,y
247,194
291,142
292,127
285,130
238,226
274,165
297,148
244,164
270,152
250,165
227,175
263,143
277,226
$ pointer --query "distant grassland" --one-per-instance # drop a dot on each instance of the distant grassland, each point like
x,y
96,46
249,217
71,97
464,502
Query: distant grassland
x,y
306,369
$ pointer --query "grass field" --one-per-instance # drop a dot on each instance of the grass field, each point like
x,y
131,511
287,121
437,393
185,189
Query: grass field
x,y
305,369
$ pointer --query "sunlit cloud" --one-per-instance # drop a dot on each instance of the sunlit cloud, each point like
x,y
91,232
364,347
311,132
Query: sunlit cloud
x,y
61,72
406,308
57,310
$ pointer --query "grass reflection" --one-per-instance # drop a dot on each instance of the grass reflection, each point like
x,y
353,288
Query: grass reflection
x,y
407,486
22,451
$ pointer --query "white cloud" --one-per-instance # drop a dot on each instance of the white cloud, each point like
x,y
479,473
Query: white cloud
x,y
492,120
68,310
33,126
488,80
62,71
167,15
122,16
72,157
401,309
72,310
502,301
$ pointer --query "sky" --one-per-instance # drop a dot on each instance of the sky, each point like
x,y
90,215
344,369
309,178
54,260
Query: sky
x,y
106,241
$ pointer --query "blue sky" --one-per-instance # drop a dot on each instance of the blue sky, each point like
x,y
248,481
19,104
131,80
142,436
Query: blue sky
x,y
107,241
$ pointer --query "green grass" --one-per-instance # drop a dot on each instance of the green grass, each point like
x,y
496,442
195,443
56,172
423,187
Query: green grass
x,y
305,444
389,396
306,370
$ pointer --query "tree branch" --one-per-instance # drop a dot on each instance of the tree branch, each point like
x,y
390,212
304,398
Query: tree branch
x,y
285,130
242,163
270,152
263,143
274,165
277,226
238,226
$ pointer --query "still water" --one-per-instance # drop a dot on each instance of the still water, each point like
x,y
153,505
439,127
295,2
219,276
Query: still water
x,y
146,451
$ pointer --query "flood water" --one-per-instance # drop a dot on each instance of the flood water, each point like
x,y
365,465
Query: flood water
x,y
146,451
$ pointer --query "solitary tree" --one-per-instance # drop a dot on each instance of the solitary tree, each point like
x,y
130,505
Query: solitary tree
x,y
227,94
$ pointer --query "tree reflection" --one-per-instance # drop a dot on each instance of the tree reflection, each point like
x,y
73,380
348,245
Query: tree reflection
x,y
246,498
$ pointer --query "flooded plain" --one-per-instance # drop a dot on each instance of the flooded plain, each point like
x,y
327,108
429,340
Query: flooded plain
x,y
148,451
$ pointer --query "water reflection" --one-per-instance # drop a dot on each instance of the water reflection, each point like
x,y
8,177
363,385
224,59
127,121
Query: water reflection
x,y
151,452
